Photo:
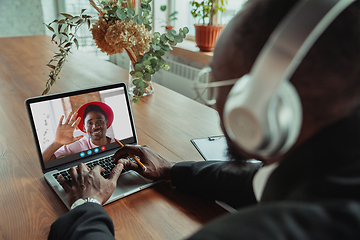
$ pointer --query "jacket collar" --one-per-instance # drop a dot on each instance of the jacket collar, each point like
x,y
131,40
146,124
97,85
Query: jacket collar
x,y
336,146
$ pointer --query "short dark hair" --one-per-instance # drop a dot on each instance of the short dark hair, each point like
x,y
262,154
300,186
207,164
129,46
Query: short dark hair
x,y
93,108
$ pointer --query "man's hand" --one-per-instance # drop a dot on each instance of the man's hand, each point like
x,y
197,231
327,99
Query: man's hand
x,y
157,166
88,183
65,131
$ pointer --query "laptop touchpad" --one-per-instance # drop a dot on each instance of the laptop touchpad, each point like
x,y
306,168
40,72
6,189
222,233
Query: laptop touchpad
x,y
129,181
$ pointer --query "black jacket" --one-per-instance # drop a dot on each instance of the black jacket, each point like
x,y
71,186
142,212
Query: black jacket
x,y
313,194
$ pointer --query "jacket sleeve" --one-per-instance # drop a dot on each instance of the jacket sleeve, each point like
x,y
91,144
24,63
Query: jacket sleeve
x,y
88,221
287,220
230,182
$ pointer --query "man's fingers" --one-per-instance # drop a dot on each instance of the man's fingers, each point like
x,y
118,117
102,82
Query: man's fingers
x,y
115,172
133,149
73,118
61,120
83,172
73,173
119,153
76,123
83,168
129,165
63,183
98,169
68,118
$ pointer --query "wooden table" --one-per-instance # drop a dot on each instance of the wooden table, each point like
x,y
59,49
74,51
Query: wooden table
x,y
165,120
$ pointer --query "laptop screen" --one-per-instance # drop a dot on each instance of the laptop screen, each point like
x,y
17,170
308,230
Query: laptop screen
x,y
74,125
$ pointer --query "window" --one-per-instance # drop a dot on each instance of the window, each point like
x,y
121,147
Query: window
x,y
184,17
86,41
232,8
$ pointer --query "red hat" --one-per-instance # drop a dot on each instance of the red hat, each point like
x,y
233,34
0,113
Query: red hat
x,y
108,111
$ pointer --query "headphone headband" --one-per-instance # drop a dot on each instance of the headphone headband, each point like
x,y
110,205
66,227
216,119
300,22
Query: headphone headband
x,y
264,116
294,36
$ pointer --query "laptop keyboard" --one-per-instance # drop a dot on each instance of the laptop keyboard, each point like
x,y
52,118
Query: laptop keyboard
x,y
106,163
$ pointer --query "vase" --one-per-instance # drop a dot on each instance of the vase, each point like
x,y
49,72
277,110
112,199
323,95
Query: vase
x,y
206,36
133,92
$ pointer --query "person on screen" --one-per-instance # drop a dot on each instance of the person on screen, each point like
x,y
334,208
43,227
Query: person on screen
x,y
313,189
93,119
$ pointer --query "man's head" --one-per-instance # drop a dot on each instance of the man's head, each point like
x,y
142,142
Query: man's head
x,y
326,80
96,117
95,122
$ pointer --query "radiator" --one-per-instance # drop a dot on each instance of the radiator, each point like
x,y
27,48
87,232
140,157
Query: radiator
x,y
180,78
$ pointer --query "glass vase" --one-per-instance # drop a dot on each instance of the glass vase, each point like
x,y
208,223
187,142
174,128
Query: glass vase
x,y
133,92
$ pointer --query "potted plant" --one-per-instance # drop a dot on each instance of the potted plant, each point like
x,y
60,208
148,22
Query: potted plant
x,y
170,17
207,32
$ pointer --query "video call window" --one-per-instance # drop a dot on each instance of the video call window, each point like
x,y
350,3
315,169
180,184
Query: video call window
x,y
47,115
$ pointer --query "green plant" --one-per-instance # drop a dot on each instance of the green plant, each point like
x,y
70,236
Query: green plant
x,y
118,28
64,36
207,9
169,18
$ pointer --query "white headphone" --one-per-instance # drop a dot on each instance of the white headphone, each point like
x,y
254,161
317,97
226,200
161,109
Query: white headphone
x,y
263,113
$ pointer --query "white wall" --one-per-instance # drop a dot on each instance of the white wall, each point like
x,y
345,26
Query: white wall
x,y
21,18
50,10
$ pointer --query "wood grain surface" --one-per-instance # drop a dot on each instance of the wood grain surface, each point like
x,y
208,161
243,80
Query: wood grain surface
x,y
165,120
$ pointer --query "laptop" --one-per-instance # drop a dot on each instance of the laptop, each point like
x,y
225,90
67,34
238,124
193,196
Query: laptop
x,y
45,112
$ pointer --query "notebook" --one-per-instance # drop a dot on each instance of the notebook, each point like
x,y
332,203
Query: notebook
x,y
105,116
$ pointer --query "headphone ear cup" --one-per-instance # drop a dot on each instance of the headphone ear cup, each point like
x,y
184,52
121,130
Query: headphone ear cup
x,y
289,119
240,117
264,129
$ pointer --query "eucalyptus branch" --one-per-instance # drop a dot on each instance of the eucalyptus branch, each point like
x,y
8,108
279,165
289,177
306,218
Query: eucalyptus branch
x,y
64,36
144,64
152,61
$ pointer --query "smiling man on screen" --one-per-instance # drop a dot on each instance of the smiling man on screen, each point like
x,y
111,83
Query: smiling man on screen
x,y
96,118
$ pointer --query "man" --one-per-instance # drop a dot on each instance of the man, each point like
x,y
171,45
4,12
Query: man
x,y
96,118
312,191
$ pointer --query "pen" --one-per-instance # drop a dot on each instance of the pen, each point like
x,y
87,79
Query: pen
x,y
131,155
